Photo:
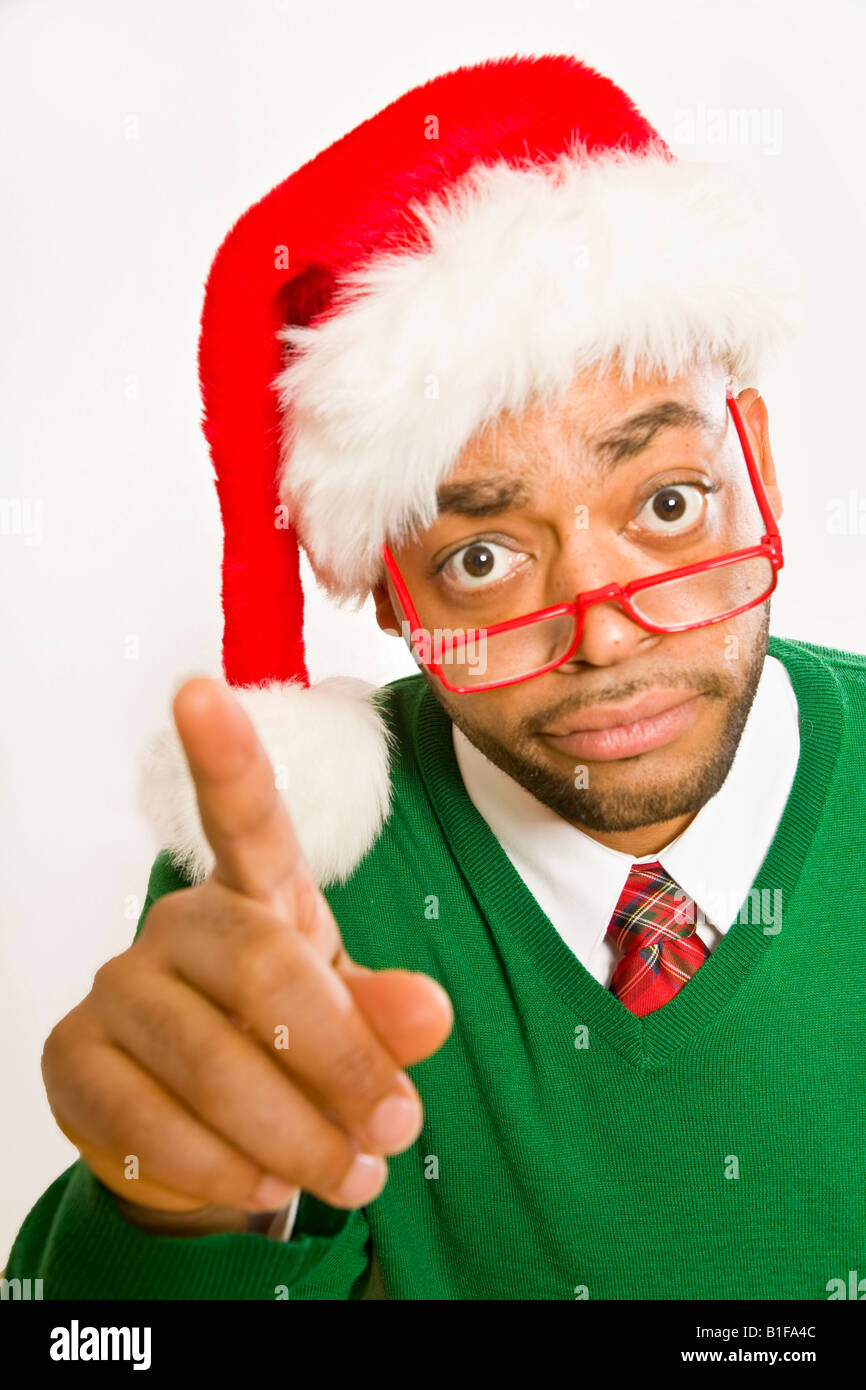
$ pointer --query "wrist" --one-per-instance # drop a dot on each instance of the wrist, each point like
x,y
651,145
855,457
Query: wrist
x,y
204,1221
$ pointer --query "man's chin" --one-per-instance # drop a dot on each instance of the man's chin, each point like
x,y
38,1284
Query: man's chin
x,y
650,788
630,793
616,809
622,794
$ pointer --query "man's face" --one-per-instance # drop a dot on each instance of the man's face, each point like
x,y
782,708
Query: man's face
x,y
568,498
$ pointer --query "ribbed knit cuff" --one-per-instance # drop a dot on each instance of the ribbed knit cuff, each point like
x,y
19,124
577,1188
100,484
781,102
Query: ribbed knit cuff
x,y
78,1242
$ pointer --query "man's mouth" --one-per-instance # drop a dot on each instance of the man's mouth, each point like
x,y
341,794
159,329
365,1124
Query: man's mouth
x,y
624,731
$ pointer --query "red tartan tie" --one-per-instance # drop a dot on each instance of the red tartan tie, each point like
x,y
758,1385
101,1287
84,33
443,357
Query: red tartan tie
x,y
654,926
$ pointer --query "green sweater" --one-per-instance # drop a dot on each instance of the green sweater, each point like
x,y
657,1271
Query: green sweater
x,y
713,1149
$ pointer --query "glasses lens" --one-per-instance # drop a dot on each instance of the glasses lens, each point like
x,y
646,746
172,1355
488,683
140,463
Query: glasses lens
x,y
477,658
714,593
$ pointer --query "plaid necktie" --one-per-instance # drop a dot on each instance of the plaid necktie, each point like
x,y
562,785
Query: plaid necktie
x,y
654,926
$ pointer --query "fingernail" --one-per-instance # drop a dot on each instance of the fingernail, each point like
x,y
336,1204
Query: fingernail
x,y
364,1180
394,1122
272,1194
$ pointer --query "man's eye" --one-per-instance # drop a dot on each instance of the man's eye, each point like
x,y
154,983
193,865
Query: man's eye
x,y
481,563
674,507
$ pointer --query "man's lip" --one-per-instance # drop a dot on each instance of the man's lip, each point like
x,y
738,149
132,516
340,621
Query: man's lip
x,y
614,716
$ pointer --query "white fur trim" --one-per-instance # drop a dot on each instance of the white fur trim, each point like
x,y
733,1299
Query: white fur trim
x,y
532,276
329,746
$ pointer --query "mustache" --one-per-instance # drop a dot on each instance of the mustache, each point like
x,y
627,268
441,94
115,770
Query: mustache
x,y
707,683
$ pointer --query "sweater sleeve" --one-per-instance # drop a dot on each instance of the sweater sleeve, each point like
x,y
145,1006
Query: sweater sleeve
x,y
77,1242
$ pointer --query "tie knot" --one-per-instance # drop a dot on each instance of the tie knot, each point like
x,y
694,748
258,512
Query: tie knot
x,y
652,908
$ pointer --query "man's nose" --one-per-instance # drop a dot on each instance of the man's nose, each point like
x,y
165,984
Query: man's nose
x,y
609,635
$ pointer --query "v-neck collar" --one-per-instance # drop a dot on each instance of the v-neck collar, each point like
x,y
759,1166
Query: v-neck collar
x,y
510,908
578,881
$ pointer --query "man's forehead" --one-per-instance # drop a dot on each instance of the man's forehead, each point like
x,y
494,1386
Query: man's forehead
x,y
597,425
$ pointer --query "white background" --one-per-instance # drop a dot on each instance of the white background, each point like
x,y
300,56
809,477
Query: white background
x,y
133,136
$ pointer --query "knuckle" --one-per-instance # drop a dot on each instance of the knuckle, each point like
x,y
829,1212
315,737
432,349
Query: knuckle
x,y
239,923
260,968
60,1053
65,1060
220,909
54,1045
54,1065
109,978
163,914
110,1120
129,1120
211,1072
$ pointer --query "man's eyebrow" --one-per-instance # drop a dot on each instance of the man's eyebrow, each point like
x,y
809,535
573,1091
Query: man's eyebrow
x,y
488,496
482,496
630,437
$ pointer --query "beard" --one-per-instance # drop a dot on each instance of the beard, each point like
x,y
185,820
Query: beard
x,y
610,809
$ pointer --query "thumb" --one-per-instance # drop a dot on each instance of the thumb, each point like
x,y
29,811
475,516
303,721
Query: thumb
x,y
409,1012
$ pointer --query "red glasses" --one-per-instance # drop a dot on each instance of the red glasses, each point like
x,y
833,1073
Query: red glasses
x,y
674,601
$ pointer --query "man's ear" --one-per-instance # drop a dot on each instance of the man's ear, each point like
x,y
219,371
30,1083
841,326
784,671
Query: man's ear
x,y
385,615
753,409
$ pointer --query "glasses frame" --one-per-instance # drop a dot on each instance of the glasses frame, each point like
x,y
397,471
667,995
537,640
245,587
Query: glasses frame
x,y
769,546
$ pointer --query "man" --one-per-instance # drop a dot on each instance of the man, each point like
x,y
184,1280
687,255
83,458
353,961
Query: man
x,y
588,872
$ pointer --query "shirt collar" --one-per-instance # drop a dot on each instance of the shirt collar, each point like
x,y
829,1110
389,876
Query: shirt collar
x,y
577,881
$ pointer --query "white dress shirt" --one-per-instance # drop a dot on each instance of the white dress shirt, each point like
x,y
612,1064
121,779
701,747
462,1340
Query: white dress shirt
x,y
577,881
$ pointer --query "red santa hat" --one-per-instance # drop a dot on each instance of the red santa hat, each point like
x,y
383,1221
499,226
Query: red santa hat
x,y
468,250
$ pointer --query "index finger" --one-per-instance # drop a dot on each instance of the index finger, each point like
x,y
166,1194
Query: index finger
x,y
246,821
